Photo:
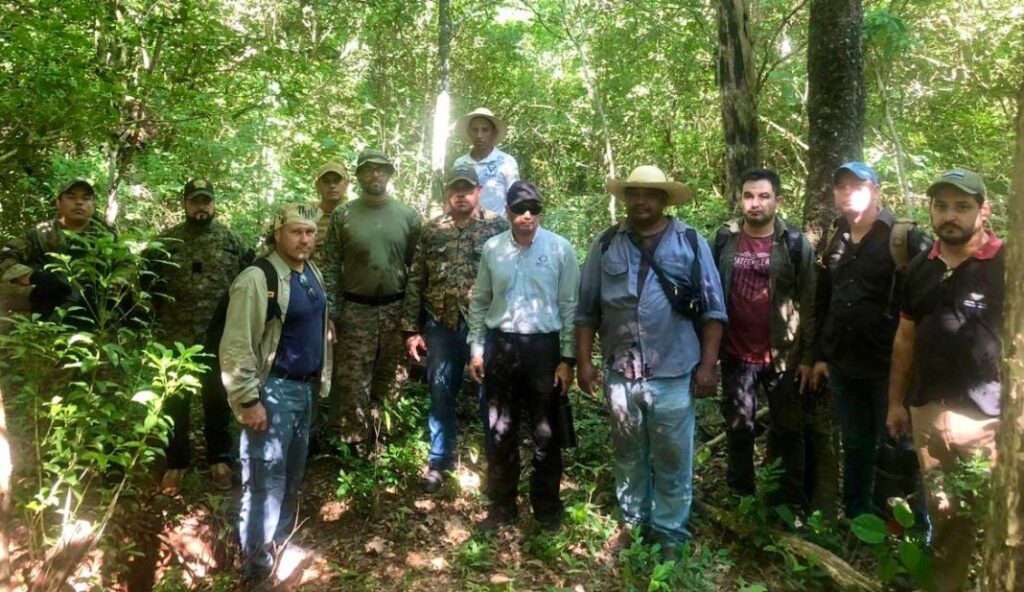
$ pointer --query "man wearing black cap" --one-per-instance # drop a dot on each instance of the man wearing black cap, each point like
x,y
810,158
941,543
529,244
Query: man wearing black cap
x,y
523,351
369,247
856,300
946,358
437,303
202,257
22,259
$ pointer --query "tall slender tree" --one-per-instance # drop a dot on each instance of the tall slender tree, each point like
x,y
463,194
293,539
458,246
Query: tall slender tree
x,y
736,83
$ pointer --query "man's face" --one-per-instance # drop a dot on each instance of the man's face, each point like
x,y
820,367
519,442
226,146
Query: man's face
x,y
373,178
332,187
957,216
482,132
524,216
76,205
759,202
644,204
463,197
852,195
199,209
295,241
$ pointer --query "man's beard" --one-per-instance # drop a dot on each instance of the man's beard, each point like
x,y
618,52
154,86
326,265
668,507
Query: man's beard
x,y
195,222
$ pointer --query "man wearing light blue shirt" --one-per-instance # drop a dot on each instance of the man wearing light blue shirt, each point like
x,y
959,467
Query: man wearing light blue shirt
x,y
659,352
496,170
522,345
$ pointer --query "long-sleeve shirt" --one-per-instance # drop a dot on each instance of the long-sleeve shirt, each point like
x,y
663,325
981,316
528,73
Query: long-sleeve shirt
x,y
525,290
641,335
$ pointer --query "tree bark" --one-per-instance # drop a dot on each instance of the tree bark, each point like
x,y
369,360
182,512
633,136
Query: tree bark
x,y
836,101
6,468
1003,569
736,82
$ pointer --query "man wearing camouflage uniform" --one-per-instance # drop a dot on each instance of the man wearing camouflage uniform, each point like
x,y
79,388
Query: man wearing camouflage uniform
x,y
22,260
332,187
369,247
202,258
437,302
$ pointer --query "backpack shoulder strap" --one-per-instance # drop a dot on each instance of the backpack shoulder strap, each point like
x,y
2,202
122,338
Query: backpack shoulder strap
x,y
606,237
691,239
899,242
721,238
273,308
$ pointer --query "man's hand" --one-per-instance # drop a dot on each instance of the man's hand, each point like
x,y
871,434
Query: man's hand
x,y
332,333
705,380
255,417
476,369
414,344
898,421
803,376
819,375
587,377
563,377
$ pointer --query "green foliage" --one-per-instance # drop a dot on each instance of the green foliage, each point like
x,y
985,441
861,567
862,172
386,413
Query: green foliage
x,y
895,553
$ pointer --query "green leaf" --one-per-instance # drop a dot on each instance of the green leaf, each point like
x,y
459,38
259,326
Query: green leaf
x,y
869,528
144,397
903,514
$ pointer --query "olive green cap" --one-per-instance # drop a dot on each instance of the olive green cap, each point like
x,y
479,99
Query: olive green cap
x,y
963,179
371,155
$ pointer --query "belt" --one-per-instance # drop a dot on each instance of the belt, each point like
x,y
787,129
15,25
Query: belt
x,y
307,378
373,300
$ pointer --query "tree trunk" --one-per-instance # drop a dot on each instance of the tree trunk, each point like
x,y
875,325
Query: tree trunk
x,y
6,468
897,144
736,82
442,103
1003,554
836,101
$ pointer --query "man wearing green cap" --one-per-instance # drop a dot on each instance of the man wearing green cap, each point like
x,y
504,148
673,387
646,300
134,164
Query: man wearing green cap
x,y
274,360
332,187
369,247
199,259
22,259
437,304
946,359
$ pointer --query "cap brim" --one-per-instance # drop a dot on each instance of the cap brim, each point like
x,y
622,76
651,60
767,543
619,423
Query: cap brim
x,y
678,194
75,183
853,172
390,166
205,192
455,180
336,170
462,127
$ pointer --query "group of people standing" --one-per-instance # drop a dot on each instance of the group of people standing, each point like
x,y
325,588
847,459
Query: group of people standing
x,y
903,330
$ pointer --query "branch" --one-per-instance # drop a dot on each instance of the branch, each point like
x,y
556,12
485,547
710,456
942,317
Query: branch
x,y
764,70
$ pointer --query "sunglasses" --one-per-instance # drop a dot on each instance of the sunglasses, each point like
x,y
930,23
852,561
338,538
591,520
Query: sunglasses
x,y
521,208
310,291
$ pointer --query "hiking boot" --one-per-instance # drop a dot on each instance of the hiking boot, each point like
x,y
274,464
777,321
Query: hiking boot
x,y
550,522
170,485
432,481
496,518
221,476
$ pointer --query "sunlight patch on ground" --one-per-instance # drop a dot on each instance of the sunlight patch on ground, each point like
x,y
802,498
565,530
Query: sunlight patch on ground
x,y
467,479
333,510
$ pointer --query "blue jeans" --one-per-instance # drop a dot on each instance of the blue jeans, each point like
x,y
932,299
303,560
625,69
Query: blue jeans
x,y
273,462
861,407
652,434
447,355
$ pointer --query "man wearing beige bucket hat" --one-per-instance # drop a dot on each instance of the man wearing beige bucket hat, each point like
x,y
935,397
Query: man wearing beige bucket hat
x,y
331,184
497,171
650,289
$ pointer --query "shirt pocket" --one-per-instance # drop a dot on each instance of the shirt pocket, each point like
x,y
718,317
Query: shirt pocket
x,y
615,278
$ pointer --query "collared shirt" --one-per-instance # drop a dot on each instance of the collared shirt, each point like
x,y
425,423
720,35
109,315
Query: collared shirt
x,y
857,297
958,316
641,335
444,268
525,290
497,172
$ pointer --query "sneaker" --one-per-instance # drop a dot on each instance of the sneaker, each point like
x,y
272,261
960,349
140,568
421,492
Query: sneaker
x,y
170,485
432,481
222,477
496,518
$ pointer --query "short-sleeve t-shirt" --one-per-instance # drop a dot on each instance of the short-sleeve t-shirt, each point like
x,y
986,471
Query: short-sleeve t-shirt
x,y
958,315
749,301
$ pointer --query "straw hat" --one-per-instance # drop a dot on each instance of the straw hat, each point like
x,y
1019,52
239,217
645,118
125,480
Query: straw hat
x,y
462,125
651,177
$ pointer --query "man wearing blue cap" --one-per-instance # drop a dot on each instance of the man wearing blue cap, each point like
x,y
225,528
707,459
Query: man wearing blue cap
x,y
860,262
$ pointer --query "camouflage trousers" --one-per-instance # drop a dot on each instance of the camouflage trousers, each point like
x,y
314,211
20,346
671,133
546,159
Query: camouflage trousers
x,y
369,367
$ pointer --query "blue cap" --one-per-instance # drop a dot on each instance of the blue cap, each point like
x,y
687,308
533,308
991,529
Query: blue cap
x,y
863,171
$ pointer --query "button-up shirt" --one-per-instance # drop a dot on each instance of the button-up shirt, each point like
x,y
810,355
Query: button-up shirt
x,y
525,290
444,268
641,335
497,172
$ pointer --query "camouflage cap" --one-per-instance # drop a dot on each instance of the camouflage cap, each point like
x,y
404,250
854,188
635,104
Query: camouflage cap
x,y
462,173
332,167
371,155
74,182
197,187
295,214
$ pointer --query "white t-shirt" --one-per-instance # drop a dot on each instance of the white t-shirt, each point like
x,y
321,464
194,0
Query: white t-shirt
x,y
497,172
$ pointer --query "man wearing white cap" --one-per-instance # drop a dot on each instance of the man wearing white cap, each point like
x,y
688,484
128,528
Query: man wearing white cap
x,y
496,170
650,289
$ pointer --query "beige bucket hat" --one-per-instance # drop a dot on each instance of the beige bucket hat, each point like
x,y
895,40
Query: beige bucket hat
x,y
462,125
651,177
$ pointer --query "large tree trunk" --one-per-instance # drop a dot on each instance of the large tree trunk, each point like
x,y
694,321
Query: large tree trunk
x,y
736,82
6,467
1004,542
836,101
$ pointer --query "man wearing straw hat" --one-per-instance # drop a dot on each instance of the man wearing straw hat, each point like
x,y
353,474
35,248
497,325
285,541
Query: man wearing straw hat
x,y
496,170
650,289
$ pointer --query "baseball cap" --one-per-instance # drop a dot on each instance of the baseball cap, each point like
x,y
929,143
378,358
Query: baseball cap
x,y
197,187
964,180
332,167
73,182
375,156
861,170
307,214
462,173
522,191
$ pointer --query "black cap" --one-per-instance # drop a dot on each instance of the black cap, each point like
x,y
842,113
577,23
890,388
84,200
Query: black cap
x,y
462,172
197,187
522,191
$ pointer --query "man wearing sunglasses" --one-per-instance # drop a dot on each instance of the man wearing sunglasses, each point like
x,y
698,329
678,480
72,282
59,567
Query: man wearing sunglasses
x,y
522,347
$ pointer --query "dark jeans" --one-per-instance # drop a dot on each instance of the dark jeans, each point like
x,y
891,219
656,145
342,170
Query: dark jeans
x,y
519,371
740,383
217,420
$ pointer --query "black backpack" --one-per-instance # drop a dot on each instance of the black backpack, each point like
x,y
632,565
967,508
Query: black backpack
x,y
215,330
